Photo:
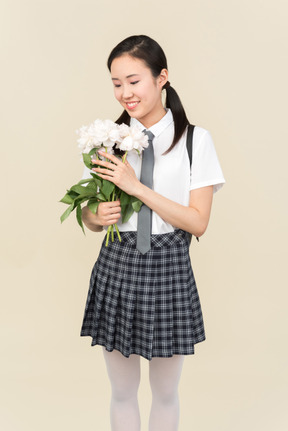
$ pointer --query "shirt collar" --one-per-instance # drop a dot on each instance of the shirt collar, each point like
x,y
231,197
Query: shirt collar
x,y
159,127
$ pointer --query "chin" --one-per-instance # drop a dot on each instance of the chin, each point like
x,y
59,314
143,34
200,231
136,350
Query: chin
x,y
133,114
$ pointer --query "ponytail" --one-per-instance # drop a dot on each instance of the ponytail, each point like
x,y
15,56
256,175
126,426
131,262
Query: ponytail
x,y
124,118
181,121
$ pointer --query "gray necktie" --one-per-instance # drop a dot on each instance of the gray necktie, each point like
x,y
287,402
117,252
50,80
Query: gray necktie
x,y
145,213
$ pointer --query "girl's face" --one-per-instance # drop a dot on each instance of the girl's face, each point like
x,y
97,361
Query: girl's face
x,y
137,90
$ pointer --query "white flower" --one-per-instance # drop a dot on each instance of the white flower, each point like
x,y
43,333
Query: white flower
x,y
107,133
132,139
112,130
87,139
127,144
124,130
98,134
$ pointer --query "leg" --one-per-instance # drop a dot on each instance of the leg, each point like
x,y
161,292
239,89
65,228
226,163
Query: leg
x,y
124,375
164,378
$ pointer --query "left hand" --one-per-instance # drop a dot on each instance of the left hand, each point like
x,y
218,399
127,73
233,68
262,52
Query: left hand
x,y
119,173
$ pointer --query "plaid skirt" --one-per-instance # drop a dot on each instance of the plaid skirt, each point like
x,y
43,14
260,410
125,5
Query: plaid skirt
x,y
144,304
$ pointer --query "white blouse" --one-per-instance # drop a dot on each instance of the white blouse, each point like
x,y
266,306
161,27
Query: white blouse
x,y
172,176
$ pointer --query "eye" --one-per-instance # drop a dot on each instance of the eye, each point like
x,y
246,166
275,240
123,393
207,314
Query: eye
x,y
134,82
117,85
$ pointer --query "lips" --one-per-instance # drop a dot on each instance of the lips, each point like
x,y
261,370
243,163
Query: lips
x,y
131,105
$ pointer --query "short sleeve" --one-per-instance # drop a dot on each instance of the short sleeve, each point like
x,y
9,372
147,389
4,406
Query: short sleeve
x,y
206,169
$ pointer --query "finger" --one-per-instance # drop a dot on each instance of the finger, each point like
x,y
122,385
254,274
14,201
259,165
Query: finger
x,y
109,157
104,171
109,211
110,220
115,210
107,165
106,177
110,204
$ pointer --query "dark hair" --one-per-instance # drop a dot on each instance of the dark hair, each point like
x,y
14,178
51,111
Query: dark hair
x,y
148,50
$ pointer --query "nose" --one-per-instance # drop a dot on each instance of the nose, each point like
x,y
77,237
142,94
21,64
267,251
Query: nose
x,y
127,92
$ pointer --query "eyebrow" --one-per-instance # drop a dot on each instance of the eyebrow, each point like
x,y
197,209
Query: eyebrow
x,y
129,76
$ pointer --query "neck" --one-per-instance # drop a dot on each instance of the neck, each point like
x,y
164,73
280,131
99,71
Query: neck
x,y
149,122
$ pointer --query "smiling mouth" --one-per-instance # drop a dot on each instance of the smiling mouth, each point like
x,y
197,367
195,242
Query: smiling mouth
x,y
131,105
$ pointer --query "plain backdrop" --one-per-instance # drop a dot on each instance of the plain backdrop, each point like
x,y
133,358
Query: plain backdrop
x,y
228,61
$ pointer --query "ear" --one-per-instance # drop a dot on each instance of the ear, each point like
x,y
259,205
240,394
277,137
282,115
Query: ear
x,y
163,78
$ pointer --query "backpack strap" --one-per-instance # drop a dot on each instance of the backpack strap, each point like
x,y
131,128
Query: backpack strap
x,y
189,145
189,141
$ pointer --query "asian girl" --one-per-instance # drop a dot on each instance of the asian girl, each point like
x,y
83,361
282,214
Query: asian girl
x,y
147,304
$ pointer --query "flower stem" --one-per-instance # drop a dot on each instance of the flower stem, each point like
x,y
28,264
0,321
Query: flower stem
x,y
107,236
124,157
118,233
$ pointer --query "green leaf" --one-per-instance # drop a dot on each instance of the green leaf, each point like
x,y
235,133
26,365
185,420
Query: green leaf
x,y
87,160
97,180
66,199
69,197
93,186
117,192
137,204
72,194
78,189
82,190
93,206
95,175
80,200
93,151
88,180
126,212
124,198
101,197
67,213
107,188
79,217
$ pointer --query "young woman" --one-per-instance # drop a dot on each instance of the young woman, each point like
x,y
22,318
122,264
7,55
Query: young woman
x,y
146,303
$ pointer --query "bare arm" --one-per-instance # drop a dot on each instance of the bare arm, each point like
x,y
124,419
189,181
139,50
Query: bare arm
x,y
193,219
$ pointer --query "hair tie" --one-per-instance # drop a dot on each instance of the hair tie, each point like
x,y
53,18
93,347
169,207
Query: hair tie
x,y
167,85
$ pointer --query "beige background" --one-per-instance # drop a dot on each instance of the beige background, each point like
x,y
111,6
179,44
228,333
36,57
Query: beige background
x,y
228,62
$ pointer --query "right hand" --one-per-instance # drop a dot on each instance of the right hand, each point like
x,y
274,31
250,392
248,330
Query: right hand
x,y
107,213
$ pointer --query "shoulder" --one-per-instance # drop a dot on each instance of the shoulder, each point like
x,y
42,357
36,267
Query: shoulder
x,y
201,134
202,140
206,169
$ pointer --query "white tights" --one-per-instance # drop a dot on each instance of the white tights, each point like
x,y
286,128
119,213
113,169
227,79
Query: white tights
x,y
124,375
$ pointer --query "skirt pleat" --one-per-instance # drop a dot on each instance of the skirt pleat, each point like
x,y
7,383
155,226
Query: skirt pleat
x,y
144,304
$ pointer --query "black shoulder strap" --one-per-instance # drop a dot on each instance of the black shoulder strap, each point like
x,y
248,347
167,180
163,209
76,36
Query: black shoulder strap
x,y
189,145
189,141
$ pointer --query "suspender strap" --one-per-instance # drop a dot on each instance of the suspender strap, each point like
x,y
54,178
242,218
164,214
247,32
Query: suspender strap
x,y
189,145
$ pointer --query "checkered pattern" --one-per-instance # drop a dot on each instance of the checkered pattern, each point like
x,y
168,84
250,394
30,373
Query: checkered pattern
x,y
144,304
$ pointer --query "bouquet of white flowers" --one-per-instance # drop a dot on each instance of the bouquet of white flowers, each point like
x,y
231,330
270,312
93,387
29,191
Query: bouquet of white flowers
x,y
109,137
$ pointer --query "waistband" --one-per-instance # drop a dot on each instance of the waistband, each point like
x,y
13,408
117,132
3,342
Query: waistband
x,y
157,240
